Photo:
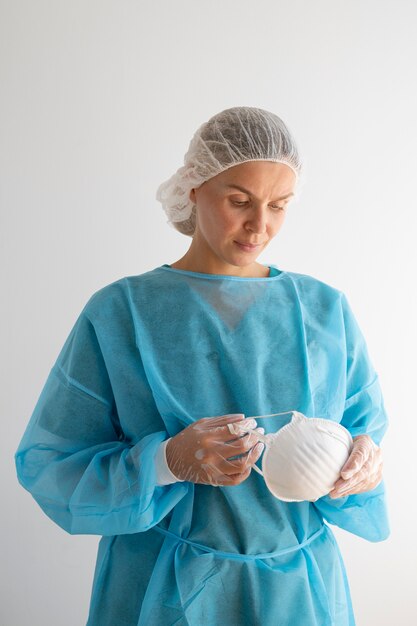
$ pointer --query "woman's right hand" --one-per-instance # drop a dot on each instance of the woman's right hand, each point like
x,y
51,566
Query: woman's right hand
x,y
200,453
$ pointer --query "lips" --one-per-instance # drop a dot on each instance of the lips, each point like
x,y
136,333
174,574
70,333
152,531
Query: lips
x,y
247,247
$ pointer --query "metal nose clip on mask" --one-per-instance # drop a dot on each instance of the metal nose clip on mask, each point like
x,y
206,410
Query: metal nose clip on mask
x,y
303,459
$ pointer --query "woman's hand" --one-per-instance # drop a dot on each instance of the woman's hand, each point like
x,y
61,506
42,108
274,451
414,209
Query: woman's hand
x,y
202,452
362,471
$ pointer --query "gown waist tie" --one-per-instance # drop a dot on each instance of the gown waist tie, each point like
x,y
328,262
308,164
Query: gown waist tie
x,y
237,555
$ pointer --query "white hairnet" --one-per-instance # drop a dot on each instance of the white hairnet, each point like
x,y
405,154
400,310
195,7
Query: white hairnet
x,y
233,136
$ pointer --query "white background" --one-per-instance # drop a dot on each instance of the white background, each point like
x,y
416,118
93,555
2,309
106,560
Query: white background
x,y
99,100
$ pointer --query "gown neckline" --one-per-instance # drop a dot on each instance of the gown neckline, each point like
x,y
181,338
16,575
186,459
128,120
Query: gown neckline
x,y
272,275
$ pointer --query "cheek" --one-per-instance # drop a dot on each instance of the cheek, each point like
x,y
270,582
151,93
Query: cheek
x,y
211,225
277,223
220,221
231,222
230,219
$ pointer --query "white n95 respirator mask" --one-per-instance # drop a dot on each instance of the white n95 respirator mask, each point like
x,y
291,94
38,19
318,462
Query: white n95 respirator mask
x,y
303,460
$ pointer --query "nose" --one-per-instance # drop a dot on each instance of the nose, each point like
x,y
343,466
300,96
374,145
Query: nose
x,y
258,220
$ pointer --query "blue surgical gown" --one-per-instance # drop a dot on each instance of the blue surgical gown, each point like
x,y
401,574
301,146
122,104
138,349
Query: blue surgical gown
x,y
152,353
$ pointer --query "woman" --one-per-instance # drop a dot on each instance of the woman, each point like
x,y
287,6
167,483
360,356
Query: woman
x,y
132,439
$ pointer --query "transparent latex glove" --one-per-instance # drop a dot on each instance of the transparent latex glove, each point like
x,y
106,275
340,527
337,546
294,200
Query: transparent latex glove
x,y
362,471
201,452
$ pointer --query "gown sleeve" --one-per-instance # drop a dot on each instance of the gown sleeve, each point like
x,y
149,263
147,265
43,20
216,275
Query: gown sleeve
x,y
75,459
362,514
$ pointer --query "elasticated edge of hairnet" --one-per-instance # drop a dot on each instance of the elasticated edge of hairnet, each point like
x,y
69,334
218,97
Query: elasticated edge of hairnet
x,y
233,136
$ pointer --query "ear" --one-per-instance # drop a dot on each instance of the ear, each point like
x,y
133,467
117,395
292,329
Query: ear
x,y
192,196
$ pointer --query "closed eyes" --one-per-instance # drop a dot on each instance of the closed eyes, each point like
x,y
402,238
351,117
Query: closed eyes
x,y
273,206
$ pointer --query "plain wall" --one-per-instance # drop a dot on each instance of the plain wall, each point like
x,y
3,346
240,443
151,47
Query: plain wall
x,y
99,100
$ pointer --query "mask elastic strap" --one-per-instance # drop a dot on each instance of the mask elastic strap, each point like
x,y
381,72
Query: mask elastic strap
x,y
262,437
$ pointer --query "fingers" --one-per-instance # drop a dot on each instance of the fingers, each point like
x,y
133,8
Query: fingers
x,y
230,481
239,465
234,429
343,484
363,447
365,479
209,439
239,428
240,469
218,421
223,428
217,453
220,443
362,487
216,442
367,484
229,432
237,447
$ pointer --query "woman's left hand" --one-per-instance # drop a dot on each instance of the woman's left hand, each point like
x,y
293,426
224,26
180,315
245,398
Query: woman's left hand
x,y
362,471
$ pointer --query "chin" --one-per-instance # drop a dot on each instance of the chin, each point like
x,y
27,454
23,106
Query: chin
x,y
243,263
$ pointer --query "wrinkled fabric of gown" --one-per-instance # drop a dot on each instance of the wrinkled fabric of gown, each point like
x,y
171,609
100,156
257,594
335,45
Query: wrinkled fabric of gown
x,y
147,356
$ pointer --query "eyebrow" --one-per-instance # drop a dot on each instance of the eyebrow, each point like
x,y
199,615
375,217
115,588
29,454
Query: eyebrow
x,y
249,193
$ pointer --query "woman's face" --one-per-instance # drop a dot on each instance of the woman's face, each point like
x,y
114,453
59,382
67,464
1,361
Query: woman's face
x,y
245,204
